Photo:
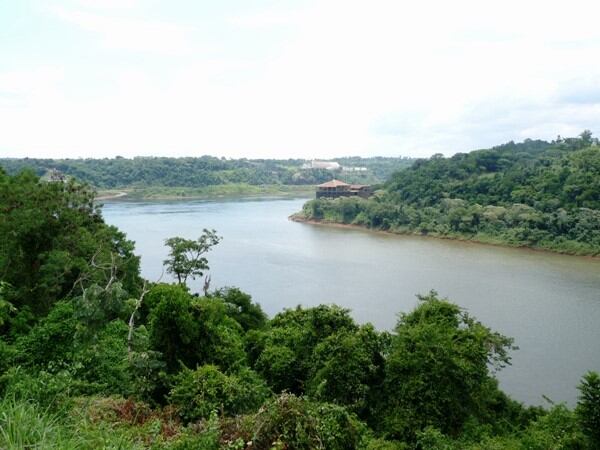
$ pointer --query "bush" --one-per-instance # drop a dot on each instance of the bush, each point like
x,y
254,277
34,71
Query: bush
x,y
294,422
49,345
557,430
50,390
197,393
105,362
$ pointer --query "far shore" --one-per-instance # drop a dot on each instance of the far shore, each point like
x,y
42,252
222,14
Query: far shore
x,y
206,193
299,218
111,196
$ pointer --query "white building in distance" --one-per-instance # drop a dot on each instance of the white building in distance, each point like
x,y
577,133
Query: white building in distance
x,y
315,164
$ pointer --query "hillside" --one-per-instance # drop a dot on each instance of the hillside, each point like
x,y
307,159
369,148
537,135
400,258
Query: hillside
x,y
145,172
535,193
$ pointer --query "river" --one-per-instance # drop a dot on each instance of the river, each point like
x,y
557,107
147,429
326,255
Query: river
x,y
549,303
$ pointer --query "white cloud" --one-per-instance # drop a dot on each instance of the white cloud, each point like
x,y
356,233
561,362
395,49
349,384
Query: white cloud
x,y
133,34
267,19
109,4
382,77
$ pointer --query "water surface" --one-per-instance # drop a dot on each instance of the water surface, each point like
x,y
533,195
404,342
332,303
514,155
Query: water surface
x,y
549,303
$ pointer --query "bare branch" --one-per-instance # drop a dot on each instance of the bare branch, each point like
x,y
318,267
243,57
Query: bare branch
x,y
138,305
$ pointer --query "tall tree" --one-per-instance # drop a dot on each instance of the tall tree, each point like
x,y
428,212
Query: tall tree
x,y
438,368
186,255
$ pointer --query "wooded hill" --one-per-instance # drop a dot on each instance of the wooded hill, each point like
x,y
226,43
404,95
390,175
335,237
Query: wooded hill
x,y
535,193
205,171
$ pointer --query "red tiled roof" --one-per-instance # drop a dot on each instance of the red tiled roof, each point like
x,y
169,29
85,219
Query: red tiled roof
x,y
333,184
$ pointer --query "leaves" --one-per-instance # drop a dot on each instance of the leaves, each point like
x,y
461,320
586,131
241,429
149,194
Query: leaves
x,y
186,256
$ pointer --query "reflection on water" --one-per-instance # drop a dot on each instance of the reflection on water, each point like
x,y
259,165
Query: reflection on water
x,y
549,303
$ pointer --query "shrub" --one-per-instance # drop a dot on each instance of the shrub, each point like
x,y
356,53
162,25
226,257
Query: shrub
x,y
49,345
197,393
105,362
46,389
294,422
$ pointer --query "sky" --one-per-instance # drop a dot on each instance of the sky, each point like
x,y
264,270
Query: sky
x,y
297,78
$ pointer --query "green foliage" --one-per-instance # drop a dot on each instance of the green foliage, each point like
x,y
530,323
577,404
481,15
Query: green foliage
x,y
23,425
73,326
172,329
437,368
556,430
193,331
534,194
49,390
220,340
56,233
197,393
98,305
207,439
50,344
284,351
240,307
588,407
294,422
6,307
348,369
105,362
185,255
433,439
204,171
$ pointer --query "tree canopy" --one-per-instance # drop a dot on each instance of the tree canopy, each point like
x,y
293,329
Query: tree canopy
x,y
535,194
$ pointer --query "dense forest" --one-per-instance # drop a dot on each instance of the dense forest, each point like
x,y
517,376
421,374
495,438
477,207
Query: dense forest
x,y
93,356
205,171
534,194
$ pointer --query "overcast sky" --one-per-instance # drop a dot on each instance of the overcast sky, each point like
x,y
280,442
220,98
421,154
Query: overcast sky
x,y
95,78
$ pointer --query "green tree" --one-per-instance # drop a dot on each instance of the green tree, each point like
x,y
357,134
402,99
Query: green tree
x,y
437,368
240,307
348,369
586,137
284,353
191,331
172,329
588,407
186,255
56,234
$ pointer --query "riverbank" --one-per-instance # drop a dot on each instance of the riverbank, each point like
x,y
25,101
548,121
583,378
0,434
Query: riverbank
x,y
164,193
476,240
111,195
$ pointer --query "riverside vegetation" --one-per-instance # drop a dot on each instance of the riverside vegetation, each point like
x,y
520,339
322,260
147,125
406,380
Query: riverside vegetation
x,y
534,194
206,176
93,356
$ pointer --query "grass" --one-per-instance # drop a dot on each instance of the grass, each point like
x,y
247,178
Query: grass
x,y
25,425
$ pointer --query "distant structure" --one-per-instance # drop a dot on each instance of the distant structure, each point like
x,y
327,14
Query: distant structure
x,y
315,164
337,188
55,175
